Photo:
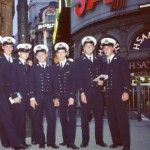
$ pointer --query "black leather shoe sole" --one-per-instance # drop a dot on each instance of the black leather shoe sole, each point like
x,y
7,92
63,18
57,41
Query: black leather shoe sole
x,y
63,144
83,145
53,146
115,145
72,146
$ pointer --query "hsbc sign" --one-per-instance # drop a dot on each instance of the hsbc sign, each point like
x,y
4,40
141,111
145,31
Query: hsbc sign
x,y
84,5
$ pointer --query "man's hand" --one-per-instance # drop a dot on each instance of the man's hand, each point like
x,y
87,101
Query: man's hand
x,y
70,101
33,104
100,82
125,96
56,102
83,98
17,100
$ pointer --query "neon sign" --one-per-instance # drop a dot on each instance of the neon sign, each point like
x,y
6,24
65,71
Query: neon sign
x,y
85,5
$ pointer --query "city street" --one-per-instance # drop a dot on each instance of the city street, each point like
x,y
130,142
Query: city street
x,y
140,136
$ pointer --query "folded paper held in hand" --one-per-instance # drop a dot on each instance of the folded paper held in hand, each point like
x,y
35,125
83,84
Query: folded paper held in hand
x,y
12,100
101,77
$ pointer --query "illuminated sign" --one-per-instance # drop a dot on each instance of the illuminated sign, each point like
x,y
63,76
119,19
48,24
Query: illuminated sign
x,y
84,5
45,26
145,6
139,65
50,11
141,41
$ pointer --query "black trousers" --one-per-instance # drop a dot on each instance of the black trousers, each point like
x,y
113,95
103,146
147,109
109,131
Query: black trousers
x,y
117,118
68,120
94,102
45,105
8,130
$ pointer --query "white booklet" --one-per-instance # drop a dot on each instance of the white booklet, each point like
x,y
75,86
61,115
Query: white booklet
x,y
103,76
12,100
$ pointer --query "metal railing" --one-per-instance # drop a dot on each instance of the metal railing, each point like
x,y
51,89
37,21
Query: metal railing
x,y
140,98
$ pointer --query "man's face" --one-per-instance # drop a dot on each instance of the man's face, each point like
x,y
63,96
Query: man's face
x,y
41,57
61,54
88,48
7,49
23,55
108,50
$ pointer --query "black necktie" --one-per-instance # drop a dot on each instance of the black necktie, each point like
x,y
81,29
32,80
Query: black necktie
x,y
9,60
90,59
61,66
42,65
25,64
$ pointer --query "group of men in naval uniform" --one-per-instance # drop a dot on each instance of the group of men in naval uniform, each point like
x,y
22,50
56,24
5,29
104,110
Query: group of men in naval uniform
x,y
42,87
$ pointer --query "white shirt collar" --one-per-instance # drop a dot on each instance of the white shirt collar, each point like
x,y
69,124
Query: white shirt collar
x,y
41,64
89,57
9,58
111,57
63,62
22,60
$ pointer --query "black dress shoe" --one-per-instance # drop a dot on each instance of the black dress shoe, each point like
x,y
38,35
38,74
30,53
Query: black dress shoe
x,y
83,145
34,142
101,144
6,146
42,145
26,145
20,147
115,145
53,146
63,144
73,146
126,148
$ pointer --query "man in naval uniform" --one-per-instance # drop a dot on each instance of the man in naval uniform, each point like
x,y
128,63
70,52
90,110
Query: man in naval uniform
x,y
88,67
117,93
19,90
41,97
9,136
66,95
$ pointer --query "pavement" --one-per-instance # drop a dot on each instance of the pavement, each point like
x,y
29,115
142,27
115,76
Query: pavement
x,y
140,136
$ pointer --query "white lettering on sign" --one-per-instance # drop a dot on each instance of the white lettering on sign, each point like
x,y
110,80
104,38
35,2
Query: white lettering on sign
x,y
47,25
139,40
139,65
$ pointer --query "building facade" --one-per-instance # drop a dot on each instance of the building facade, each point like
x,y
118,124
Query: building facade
x,y
42,16
126,21
6,17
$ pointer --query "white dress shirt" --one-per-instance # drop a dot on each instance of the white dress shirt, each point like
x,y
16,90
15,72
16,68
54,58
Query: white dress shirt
x,y
90,57
62,63
9,58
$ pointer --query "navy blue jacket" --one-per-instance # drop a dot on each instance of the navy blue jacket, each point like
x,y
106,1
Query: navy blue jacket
x,y
5,75
118,74
86,72
19,79
65,80
41,80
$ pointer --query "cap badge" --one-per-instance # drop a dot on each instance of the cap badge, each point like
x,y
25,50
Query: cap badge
x,y
39,47
88,39
60,45
106,42
9,40
26,47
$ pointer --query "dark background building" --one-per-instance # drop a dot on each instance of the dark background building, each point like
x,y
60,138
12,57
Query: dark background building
x,y
127,22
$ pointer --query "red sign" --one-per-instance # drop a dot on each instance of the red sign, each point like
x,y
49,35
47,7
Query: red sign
x,y
85,5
